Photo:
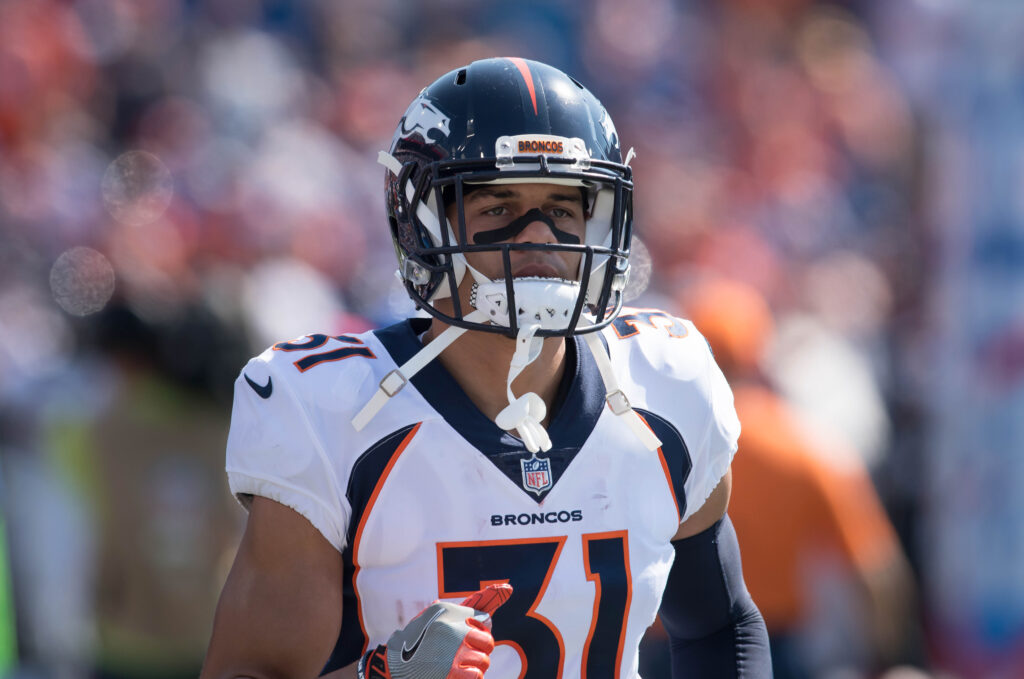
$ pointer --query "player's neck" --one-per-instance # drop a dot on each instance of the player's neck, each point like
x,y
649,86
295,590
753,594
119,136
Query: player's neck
x,y
479,362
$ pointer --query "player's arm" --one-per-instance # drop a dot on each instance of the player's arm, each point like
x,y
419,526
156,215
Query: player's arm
x,y
279,613
714,627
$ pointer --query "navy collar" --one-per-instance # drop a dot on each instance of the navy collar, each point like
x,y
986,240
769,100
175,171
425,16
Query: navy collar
x,y
569,428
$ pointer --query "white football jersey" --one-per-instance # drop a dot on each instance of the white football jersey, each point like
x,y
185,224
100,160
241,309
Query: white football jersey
x,y
433,501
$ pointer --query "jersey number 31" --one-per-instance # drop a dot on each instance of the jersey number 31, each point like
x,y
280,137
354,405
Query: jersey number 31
x,y
527,565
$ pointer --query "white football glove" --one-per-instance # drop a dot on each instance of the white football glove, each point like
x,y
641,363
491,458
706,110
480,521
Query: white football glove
x,y
445,641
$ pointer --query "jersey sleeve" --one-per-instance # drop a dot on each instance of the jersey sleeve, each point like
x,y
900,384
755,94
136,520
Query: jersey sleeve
x,y
273,452
717,446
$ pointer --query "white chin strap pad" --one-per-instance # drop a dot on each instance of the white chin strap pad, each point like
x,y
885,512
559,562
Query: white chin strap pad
x,y
544,302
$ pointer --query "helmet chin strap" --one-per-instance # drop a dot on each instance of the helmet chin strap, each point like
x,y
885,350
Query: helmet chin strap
x,y
541,304
525,413
395,380
616,399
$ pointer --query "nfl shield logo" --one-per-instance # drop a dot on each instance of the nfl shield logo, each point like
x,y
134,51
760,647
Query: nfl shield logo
x,y
536,474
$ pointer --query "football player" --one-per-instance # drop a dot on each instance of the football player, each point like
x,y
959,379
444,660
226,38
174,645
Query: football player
x,y
535,468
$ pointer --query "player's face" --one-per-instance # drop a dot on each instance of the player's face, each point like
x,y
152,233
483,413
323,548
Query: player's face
x,y
495,206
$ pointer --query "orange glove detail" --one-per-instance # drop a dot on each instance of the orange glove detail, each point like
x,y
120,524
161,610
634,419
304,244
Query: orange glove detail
x,y
445,641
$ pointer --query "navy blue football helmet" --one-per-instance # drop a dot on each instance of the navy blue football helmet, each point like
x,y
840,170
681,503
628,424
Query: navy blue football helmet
x,y
507,120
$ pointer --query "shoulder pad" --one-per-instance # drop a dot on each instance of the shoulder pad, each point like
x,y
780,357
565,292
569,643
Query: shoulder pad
x,y
659,339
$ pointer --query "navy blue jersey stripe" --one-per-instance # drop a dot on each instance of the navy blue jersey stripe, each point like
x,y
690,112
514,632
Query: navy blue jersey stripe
x,y
675,453
363,484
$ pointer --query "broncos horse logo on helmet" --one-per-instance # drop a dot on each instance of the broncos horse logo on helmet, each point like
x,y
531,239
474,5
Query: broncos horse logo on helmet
x,y
422,117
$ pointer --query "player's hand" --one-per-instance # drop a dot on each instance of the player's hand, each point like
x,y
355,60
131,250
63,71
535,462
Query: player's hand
x,y
445,641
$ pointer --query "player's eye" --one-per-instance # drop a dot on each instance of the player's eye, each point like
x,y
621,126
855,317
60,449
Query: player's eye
x,y
560,213
495,211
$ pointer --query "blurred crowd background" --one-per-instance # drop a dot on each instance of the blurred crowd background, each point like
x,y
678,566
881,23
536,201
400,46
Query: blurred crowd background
x,y
833,191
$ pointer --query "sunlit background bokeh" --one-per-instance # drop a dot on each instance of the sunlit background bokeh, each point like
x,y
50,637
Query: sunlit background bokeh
x,y
183,182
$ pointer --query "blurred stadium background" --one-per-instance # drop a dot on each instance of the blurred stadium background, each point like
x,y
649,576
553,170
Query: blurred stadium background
x,y
183,182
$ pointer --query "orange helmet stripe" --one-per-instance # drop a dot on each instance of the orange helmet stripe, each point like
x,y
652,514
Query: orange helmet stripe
x,y
525,71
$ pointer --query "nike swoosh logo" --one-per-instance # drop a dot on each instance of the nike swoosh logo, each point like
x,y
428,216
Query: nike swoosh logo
x,y
408,653
263,391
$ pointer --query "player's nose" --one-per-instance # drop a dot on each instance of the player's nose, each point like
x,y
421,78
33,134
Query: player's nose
x,y
536,231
